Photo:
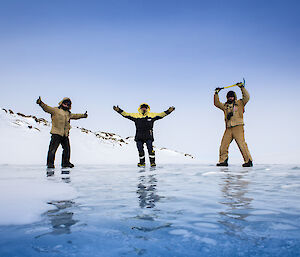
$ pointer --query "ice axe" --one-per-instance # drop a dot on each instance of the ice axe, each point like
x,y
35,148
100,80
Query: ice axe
x,y
234,85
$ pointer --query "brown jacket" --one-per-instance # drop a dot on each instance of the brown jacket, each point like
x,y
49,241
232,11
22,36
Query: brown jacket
x,y
237,109
60,118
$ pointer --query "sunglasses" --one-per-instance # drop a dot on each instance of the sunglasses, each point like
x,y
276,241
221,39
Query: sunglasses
x,y
67,103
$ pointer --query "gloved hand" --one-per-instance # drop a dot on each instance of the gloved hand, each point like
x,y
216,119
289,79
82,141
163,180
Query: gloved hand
x,y
116,108
86,114
217,90
171,109
240,85
39,100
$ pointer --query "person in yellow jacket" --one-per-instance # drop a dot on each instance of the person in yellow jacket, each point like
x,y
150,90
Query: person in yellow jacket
x,y
144,121
60,117
234,111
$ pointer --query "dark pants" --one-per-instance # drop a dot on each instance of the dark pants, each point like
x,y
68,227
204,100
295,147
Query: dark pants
x,y
140,147
56,140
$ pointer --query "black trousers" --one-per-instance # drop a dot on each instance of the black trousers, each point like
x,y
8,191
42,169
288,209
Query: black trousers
x,y
140,147
56,140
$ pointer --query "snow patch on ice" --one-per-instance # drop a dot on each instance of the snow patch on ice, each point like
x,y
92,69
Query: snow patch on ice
x,y
290,186
206,225
282,226
180,232
187,234
263,212
211,173
23,201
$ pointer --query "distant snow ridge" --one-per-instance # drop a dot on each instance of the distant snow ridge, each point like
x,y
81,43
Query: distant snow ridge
x,y
26,138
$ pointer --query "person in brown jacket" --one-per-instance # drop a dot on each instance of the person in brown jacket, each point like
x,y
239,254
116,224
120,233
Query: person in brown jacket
x,y
61,117
234,111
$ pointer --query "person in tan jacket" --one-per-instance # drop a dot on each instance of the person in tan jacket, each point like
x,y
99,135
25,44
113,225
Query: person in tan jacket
x,y
234,112
60,117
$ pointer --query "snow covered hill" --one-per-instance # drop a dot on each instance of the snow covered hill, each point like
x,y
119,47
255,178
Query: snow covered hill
x,y
25,139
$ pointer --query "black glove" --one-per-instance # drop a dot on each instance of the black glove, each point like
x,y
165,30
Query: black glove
x,y
229,115
39,100
171,109
218,89
86,114
240,85
117,109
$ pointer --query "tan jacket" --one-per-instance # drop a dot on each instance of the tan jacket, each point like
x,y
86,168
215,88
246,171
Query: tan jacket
x,y
237,109
60,118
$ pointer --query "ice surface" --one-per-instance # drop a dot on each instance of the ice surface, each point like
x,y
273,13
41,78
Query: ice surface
x,y
173,210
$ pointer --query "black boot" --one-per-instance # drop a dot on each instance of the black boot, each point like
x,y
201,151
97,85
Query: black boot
x,y
248,164
223,164
142,161
152,159
50,166
67,165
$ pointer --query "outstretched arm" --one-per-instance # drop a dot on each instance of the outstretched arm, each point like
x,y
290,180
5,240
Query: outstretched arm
x,y
246,96
77,116
161,115
130,116
44,106
217,102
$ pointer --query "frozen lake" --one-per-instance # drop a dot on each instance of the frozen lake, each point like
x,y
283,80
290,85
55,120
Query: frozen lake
x,y
173,210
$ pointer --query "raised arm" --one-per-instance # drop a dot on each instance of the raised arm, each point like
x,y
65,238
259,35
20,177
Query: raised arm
x,y
130,116
77,116
246,96
44,106
217,102
161,115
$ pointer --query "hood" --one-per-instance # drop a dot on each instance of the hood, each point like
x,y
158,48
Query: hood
x,y
139,109
65,98
231,93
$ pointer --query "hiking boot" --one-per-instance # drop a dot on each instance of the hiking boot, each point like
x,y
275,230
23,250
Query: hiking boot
x,y
248,164
67,165
223,164
141,164
152,158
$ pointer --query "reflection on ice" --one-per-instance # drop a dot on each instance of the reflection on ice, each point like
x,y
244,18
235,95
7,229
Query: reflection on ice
x,y
234,186
147,191
61,220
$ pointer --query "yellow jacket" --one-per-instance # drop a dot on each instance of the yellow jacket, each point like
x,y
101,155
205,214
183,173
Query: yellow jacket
x,y
61,118
140,115
144,122
237,108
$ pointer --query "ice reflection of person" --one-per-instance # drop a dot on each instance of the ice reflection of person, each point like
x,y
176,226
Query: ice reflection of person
x,y
234,187
147,191
61,218
66,179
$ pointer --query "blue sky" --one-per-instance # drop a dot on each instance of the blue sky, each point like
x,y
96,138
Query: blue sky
x,y
102,53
